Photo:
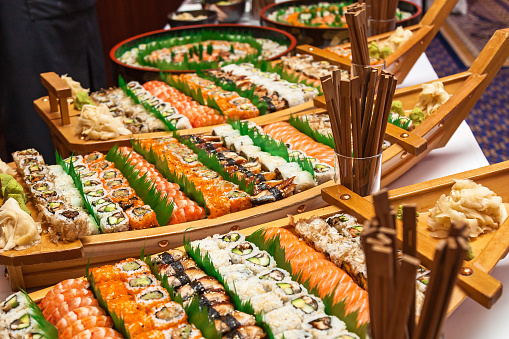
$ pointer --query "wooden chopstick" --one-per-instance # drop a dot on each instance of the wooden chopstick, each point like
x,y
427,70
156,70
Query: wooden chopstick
x,y
328,91
410,248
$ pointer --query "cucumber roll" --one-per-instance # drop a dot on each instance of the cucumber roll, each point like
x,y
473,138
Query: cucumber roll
x,y
89,175
40,187
287,290
106,209
306,304
97,203
110,174
137,283
116,221
130,268
228,239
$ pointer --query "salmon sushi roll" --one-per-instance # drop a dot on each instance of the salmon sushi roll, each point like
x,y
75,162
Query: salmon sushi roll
x,y
131,267
167,315
98,333
85,324
115,183
141,217
62,286
78,314
105,273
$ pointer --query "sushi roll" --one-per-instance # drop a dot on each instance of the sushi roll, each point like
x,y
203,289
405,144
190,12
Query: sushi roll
x,y
228,239
151,297
186,277
170,256
75,160
283,319
28,153
101,165
295,334
19,324
71,224
122,194
116,221
112,289
306,304
239,252
35,178
260,261
107,208
248,289
95,194
233,321
89,175
234,273
131,267
287,290
115,183
105,273
91,184
323,172
200,286
167,315
183,331
220,310
50,208
211,298
141,217
321,325
274,275
135,284
40,187
176,267
97,203
239,200
266,302
93,157
34,168
245,332
110,174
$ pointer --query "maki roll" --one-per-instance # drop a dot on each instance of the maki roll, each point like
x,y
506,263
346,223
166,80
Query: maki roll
x,y
246,332
211,298
110,174
40,187
218,311
170,256
105,273
96,203
239,252
283,319
239,200
116,221
131,267
118,182
186,277
14,303
323,172
306,304
200,286
287,290
21,155
167,315
176,267
186,331
151,297
260,261
50,208
107,208
89,175
75,160
71,224
228,239
135,284
95,194
93,157
122,194
320,325
91,184
266,302
112,289
101,165
141,217
234,320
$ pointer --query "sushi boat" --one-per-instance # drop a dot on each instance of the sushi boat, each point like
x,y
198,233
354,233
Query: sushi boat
x,y
401,60
474,280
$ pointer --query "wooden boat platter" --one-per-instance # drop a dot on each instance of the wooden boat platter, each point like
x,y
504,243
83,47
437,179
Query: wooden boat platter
x,y
402,59
488,248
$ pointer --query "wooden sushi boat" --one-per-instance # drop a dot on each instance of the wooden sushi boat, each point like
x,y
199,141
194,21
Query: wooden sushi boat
x,y
474,280
48,263
402,59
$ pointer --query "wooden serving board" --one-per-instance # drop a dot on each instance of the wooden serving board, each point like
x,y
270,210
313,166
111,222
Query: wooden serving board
x,y
488,248
47,263
401,61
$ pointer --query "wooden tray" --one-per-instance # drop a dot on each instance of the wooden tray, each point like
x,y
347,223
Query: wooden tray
x,y
47,263
489,248
403,59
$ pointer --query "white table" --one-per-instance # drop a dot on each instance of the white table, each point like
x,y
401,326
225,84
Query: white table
x,y
462,153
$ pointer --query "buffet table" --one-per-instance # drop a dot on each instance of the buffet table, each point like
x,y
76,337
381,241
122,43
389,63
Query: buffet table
x,y
462,153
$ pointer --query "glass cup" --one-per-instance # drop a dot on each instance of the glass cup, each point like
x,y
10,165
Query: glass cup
x,y
361,175
376,27
377,63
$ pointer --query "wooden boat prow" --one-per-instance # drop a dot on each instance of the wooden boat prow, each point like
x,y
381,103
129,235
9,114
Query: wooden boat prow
x,y
401,61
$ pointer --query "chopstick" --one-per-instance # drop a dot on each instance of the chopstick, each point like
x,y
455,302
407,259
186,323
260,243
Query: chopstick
x,y
357,28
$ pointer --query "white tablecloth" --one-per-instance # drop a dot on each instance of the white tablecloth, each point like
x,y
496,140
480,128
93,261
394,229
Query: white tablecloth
x,y
462,153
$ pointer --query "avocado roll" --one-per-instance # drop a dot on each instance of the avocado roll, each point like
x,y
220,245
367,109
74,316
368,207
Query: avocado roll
x,y
106,209
95,194
239,252
306,304
287,290
48,210
228,239
41,186
89,175
43,197
239,200
101,165
321,325
323,172
131,267
96,203
167,315
137,283
91,184
152,296
259,262
110,174
30,153
75,160
34,168
116,221
115,183
93,157
141,217
13,304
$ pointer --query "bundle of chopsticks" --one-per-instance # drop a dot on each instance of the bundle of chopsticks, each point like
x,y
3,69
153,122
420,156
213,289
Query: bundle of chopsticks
x,y
355,16
392,282
382,10
359,121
